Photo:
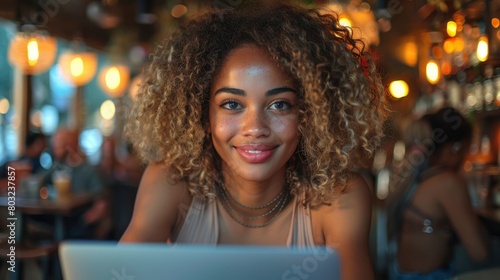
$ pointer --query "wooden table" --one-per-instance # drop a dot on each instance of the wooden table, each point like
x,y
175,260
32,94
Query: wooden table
x,y
60,208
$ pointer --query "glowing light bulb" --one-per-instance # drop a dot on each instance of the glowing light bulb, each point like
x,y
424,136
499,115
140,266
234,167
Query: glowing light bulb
x,y
33,53
108,110
112,78
432,72
76,66
482,49
451,28
343,21
398,89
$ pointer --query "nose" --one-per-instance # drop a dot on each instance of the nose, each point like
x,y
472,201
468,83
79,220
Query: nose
x,y
255,123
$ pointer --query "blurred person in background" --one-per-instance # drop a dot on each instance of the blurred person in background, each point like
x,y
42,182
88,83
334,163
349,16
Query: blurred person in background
x,y
84,178
67,155
430,208
34,146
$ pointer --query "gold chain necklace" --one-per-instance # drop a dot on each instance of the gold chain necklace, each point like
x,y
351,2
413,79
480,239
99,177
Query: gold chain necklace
x,y
230,210
250,207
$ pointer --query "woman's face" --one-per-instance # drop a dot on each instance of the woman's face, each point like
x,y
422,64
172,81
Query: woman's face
x,y
253,115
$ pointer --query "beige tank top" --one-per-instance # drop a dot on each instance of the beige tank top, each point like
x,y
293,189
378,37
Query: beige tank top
x,y
201,224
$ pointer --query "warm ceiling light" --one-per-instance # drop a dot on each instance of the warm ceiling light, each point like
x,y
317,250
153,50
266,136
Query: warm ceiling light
x,y
179,10
408,52
32,52
114,80
458,45
482,49
495,22
451,28
78,67
107,110
448,46
344,21
398,89
432,72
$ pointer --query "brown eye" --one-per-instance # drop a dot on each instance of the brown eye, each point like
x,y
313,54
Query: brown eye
x,y
280,105
231,105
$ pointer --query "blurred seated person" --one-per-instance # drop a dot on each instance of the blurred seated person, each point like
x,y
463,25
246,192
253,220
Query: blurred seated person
x,y
430,208
67,156
84,178
35,144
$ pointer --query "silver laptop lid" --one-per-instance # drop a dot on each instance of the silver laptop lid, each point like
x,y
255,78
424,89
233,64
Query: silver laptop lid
x,y
150,261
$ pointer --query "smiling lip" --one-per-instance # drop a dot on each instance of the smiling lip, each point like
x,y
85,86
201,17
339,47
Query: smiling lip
x,y
255,153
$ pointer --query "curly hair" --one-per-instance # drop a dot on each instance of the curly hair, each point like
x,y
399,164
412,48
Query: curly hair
x,y
342,103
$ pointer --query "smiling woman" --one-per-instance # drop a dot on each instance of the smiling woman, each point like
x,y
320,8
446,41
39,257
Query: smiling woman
x,y
250,134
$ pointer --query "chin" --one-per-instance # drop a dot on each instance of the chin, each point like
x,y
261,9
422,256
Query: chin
x,y
255,173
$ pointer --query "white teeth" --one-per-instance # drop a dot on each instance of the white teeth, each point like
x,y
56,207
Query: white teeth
x,y
253,151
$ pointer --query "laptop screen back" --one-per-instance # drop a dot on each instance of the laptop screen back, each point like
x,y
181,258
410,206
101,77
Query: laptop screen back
x,y
103,260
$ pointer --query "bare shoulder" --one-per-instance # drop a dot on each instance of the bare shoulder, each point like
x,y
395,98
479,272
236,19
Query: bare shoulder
x,y
348,216
347,219
156,206
448,184
355,197
447,179
346,225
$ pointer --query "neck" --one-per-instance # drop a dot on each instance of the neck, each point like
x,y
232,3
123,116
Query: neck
x,y
253,193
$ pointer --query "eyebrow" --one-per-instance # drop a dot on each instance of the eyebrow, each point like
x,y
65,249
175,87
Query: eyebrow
x,y
241,92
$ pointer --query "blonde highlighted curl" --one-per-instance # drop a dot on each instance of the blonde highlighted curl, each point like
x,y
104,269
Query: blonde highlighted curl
x,y
341,99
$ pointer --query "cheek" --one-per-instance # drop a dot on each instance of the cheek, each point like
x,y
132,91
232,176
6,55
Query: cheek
x,y
287,128
223,127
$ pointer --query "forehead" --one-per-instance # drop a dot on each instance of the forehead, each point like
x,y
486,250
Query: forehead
x,y
248,53
250,61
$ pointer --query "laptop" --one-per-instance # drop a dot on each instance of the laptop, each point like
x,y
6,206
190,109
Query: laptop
x,y
151,261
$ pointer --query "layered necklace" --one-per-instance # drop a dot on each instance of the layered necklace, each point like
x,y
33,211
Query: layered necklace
x,y
279,203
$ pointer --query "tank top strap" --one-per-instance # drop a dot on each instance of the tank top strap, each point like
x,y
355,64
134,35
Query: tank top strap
x,y
201,225
300,234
